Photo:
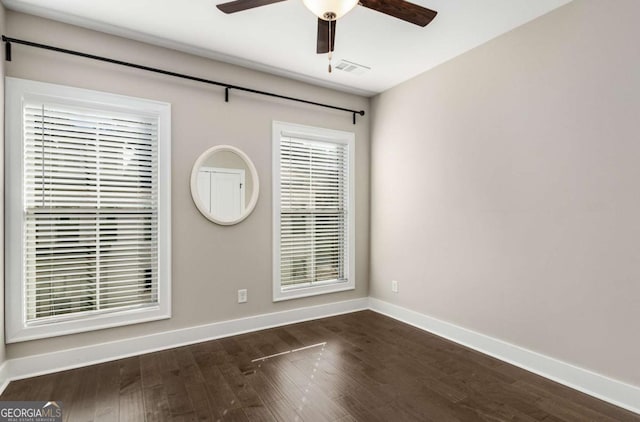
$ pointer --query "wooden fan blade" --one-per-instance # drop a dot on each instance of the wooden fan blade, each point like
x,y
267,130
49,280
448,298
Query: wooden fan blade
x,y
323,36
240,5
401,9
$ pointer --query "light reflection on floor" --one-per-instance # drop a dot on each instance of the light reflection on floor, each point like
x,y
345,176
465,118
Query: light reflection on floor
x,y
310,383
263,358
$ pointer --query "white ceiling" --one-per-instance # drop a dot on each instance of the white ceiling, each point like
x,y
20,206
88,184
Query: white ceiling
x,y
281,38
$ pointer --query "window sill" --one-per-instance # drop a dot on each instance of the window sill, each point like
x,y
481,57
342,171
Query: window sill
x,y
36,331
280,294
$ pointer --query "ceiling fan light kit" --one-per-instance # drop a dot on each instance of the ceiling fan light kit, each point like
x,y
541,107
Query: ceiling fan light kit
x,y
330,10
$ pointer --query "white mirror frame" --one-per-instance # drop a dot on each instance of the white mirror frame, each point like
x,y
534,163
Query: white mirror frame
x,y
194,184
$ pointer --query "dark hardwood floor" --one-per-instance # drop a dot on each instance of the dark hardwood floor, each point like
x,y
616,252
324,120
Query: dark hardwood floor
x,y
356,367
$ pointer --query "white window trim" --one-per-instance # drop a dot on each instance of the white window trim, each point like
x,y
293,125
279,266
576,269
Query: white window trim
x,y
17,90
321,134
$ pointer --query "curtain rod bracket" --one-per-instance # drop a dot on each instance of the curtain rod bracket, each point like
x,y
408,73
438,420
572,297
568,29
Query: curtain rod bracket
x,y
7,50
226,94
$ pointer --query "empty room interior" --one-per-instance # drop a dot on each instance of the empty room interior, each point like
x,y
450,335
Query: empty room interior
x,y
320,210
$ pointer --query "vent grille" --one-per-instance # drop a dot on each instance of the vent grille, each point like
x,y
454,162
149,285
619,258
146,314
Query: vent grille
x,y
352,67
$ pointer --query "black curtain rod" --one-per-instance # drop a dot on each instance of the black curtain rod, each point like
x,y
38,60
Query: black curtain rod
x,y
227,87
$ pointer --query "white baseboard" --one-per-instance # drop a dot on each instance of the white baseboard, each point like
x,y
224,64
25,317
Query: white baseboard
x,y
615,392
30,366
4,376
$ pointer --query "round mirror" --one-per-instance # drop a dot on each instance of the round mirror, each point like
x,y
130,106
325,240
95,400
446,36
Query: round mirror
x,y
224,185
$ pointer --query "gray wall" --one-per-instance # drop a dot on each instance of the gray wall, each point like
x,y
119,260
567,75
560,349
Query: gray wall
x,y
2,345
210,262
505,191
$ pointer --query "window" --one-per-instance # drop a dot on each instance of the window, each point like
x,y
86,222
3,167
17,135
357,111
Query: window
x,y
313,209
88,207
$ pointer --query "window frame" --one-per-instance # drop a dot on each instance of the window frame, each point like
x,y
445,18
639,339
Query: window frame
x,y
314,134
17,92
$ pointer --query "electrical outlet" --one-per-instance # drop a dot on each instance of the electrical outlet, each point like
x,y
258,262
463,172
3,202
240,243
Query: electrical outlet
x,y
394,286
242,295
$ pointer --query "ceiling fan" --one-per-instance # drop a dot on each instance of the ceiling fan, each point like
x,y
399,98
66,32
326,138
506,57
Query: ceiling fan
x,y
328,11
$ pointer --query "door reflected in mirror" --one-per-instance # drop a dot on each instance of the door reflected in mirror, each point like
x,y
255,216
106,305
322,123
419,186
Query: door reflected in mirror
x,y
224,185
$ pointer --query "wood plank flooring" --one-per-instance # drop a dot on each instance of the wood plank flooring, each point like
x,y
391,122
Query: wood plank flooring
x,y
356,367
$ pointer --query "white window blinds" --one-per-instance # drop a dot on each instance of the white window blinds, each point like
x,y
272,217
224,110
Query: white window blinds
x,y
91,211
314,211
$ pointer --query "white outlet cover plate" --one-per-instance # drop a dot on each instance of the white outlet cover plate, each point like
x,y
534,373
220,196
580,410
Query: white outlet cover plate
x,y
242,295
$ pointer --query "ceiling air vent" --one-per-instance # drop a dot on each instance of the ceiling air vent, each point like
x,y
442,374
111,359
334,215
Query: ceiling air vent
x,y
351,67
